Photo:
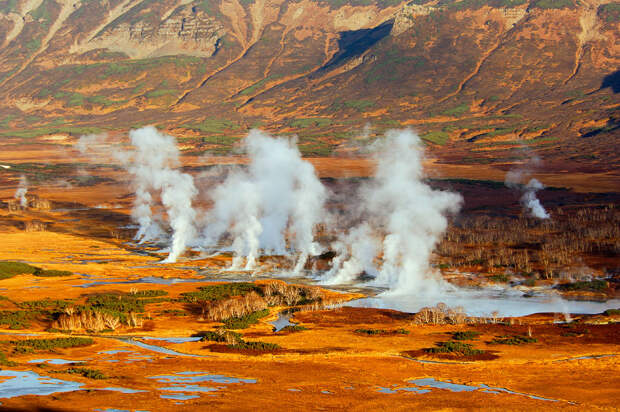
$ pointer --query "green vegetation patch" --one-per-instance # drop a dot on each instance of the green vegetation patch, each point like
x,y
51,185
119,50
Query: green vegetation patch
x,y
610,12
437,137
612,312
316,149
19,319
245,321
51,344
42,131
4,360
457,110
257,346
161,92
45,304
10,269
465,335
258,85
121,68
371,331
377,332
359,105
117,304
7,6
221,336
501,278
476,4
595,285
33,44
293,328
220,292
87,373
150,293
553,4
235,341
52,273
464,349
41,12
512,340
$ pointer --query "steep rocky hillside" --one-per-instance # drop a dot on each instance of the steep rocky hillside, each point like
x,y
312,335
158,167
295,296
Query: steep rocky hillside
x,y
483,81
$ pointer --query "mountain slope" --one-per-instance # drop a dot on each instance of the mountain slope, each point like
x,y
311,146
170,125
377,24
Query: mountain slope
x,y
483,81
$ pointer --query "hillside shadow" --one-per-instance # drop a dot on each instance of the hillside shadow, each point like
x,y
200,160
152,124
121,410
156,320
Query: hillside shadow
x,y
355,42
612,81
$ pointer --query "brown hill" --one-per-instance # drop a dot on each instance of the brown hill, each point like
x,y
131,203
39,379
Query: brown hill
x,y
482,81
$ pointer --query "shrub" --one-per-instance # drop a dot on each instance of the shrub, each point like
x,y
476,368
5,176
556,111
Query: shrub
x,y
43,304
611,312
4,361
293,328
437,137
219,292
370,331
465,335
87,373
245,321
610,12
49,273
512,340
235,340
359,105
457,110
553,4
221,335
16,319
464,349
150,293
258,346
595,285
502,278
50,344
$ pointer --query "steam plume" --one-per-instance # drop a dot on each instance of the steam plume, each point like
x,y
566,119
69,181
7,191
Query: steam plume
x,y
278,195
21,191
153,162
531,202
410,215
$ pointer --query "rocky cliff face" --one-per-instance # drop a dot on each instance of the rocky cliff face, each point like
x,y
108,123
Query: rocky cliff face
x,y
186,32
477,76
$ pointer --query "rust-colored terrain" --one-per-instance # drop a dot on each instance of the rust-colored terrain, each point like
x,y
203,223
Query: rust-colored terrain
x,y
333,357
92,320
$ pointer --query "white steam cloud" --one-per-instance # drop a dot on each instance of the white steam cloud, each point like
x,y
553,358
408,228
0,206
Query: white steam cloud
x,y
531,204
410,215
277,199
273,207
21,191
153,167
153,164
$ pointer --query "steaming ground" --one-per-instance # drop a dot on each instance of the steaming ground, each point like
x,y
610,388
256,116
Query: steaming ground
x,y
483,302
277,206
